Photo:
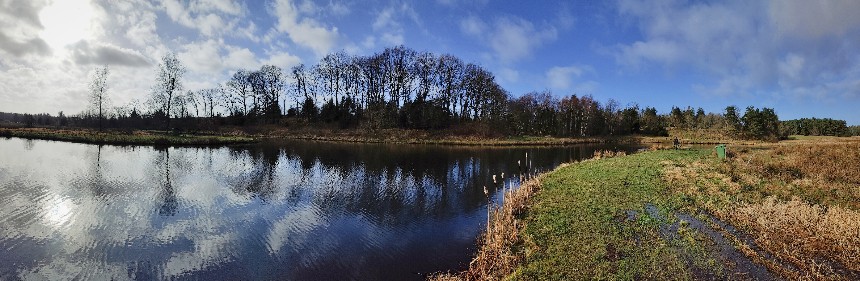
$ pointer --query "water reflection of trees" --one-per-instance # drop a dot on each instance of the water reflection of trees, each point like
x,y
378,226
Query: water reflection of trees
x,y
167,194
257,174
389,184
181,203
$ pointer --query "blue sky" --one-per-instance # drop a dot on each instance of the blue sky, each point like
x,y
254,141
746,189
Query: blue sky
x,y
800,57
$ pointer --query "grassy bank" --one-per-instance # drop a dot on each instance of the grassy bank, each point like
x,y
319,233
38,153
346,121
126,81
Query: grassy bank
x,y
121,137
613,219
778,210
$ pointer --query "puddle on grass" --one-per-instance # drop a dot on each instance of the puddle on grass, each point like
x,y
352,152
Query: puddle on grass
x,y
737,265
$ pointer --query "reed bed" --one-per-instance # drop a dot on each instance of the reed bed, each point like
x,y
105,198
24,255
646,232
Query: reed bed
x,y
497,255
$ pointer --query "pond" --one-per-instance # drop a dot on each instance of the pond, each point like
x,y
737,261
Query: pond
x,y
296,210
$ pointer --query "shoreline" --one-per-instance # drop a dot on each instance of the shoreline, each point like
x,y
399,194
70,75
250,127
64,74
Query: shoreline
x,y
466,141
702,222
136,137
390,136
500,247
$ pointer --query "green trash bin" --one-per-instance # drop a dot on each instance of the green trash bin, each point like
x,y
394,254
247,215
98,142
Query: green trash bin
x,y
721,151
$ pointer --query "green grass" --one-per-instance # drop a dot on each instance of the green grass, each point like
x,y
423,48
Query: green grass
x,y
123,138
579,227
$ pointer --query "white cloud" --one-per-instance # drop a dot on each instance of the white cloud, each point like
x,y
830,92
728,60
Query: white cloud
x,y
389,23
664,51
283,60
250,32
304,31
55,78
240,58
814,19
229,7
472,25
202,57
338,8
560,77
33,87
369,42
779,48
509,75
20,26
566,78
206,16
85,53
40,76
460,3
138,20
392,39
791,69
211,62
510,38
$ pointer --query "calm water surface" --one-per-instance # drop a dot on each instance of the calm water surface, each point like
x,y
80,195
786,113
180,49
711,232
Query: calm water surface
x,y
294,210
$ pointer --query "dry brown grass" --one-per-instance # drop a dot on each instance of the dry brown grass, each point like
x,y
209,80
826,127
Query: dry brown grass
x,y
598,154
824,243
838,162
497,256
798,200
820,171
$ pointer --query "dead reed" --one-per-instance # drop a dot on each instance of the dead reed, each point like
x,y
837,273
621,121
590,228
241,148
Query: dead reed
x,y
599,154
497,256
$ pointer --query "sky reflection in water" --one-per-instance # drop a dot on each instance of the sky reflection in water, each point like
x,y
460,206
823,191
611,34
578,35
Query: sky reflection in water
x,y
294,210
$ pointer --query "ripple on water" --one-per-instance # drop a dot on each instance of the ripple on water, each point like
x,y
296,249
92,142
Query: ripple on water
x,y
293,210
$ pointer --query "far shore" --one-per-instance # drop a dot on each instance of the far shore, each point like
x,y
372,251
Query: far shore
x,y
228,136
114,137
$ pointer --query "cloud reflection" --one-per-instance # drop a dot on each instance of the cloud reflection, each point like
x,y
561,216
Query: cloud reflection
x,y
296,210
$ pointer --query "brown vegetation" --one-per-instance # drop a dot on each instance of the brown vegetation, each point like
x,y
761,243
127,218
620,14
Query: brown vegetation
x,y
497,256
797,200
824,243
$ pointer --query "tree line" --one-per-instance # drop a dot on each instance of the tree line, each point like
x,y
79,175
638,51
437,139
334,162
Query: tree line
x,y
395,88
817,127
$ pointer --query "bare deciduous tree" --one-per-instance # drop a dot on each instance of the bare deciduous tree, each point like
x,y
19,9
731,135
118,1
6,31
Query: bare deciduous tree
x,y
209,99
239,92
168,84
98,93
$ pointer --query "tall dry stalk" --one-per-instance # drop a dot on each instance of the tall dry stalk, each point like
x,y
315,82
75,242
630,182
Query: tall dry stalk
x,y
496,256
